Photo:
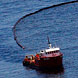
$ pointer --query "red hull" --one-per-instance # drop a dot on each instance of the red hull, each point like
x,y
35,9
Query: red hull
x,y
44,62
49,62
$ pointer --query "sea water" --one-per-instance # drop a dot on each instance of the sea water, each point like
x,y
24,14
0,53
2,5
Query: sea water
x,y
64,32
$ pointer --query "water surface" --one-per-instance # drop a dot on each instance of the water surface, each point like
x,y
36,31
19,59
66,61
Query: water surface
x,y
60,23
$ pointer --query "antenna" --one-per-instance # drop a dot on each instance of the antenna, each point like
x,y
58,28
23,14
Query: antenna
x,y
48,40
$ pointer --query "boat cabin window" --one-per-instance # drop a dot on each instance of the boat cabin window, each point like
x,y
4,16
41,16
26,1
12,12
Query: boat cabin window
x,y
52,52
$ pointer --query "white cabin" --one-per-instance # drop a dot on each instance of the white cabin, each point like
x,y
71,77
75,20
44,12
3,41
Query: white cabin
x,y
49,51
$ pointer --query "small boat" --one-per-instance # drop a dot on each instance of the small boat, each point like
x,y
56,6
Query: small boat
x,y
47,58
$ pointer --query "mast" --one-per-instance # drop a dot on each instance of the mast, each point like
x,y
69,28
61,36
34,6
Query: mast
x,y
49,42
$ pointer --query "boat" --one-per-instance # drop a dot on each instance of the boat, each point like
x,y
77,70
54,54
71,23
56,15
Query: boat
x,y
47,58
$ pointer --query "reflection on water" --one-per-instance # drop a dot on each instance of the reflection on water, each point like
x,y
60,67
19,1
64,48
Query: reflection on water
x,y
56,71
48,73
